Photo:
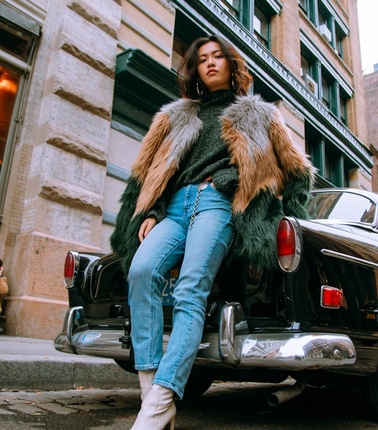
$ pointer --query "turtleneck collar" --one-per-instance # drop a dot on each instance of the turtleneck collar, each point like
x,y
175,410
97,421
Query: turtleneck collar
x,y
218,96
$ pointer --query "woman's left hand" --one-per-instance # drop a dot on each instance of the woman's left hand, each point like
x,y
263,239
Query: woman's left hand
x,y
147,225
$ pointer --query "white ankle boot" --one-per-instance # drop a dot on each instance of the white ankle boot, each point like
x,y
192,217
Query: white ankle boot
x,y
158,410
145,380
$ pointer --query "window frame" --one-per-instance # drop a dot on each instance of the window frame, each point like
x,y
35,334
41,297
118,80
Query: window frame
x,y
264,39
22,67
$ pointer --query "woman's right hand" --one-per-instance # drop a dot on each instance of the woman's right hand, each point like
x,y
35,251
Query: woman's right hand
x,y
147,225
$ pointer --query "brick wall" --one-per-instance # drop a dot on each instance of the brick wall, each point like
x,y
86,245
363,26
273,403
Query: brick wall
x,y
371,100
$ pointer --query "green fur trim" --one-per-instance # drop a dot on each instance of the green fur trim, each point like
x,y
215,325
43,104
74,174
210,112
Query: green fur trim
x,y
255,231
256,227
124,239
296,195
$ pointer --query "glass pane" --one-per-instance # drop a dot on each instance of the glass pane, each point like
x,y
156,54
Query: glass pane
x,y
305,67
233,3
342,206
111,284
8,90
325,88
231,6
15,41
339,45
260,26
303,4
343,111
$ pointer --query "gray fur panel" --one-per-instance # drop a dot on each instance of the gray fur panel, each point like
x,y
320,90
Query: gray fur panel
x,y
186,127
259,114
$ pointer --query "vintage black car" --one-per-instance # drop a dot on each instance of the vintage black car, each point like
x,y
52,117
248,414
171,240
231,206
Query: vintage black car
x,y
314,318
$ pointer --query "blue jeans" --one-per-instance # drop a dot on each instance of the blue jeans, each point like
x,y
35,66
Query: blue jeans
x,y
201,249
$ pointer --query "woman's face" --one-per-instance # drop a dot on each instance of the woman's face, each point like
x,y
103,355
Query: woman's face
x,y
213,68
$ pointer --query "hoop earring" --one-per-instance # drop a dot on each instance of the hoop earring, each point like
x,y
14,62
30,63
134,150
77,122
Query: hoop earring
x,y
199,88
233,86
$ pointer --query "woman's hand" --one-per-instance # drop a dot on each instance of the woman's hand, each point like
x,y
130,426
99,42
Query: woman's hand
x,y
147,225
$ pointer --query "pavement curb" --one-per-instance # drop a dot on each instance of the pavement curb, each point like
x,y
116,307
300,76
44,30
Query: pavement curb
x,y
34,364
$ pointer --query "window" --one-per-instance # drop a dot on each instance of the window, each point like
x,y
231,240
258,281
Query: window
x,y
309,8
343,109
137,96
330,92
329,25
18,40
333,165
255,16
15,42
325,23
231,6
9,83
323,82
326,93
305,67
339,37
304,5
261,27
309,71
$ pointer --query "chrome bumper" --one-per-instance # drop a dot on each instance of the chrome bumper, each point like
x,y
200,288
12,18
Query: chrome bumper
x,y
232,346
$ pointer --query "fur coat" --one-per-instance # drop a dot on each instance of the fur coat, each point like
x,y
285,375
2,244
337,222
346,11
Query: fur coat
x,y
275,176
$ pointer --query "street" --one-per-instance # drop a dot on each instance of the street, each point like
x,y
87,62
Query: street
x,y
225,406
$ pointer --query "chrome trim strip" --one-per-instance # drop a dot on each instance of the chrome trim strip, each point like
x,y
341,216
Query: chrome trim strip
x,y
349,258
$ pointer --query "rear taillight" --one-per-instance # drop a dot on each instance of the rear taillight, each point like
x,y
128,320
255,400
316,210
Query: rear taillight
x,y
288,245
71,266
331,297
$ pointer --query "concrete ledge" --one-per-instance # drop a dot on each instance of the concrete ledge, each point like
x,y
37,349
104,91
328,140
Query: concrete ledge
x,y
34,364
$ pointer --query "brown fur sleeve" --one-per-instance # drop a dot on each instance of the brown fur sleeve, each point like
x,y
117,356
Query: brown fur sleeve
x,y
158,130
292,160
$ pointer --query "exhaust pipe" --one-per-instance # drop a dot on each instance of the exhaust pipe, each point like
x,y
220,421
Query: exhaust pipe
x,y
286,393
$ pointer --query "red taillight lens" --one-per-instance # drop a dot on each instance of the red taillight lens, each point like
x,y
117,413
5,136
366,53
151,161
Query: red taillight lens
x,y
285,238
71,264
331,297
287,246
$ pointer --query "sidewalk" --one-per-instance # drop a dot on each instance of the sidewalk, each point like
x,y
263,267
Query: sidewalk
x,y
34,364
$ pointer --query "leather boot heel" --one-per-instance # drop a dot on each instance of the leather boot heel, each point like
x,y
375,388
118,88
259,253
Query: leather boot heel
x,y
170,426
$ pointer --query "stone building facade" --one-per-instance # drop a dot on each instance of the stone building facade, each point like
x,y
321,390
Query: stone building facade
x,y
371,98
88,80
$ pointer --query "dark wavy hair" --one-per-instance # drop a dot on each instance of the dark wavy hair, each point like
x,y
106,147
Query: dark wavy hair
x,y
241,80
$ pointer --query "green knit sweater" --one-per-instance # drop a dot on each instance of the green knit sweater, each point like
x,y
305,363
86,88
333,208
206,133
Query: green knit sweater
x,y
209,155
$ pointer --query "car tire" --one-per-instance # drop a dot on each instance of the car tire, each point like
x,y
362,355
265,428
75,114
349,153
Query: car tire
x,y
198,383
370,389
126,365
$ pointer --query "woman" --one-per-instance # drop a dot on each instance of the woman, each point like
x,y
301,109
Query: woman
x,y
216,172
